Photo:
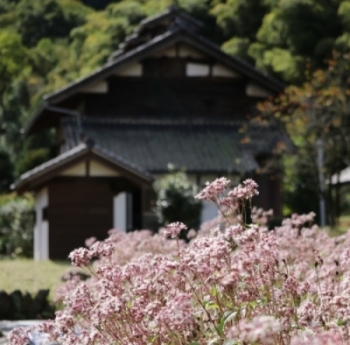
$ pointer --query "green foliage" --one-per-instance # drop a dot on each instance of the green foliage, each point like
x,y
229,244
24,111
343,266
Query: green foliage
x,y
299,32
344,14
15,103
240,17
284,63
237,46
319,109
46,18
69,39
176,201
307,22
97,4
6,172
131,11
29,275
16,226
300,188
342,43
30,159
13,59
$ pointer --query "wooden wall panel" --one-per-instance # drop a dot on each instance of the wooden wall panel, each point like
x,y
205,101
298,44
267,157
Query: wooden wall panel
x,y
211,97
270,195
78,209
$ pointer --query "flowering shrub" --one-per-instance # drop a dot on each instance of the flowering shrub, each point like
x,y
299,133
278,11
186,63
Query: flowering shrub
x,y
238,286
129,246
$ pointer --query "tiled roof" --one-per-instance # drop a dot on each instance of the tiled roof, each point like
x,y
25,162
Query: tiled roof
x,y
203,147
171,18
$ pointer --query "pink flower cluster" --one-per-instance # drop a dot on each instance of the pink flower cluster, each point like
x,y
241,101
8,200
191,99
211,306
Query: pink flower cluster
x,y
213,189
244,285
232,202
246,190
173,230
81,257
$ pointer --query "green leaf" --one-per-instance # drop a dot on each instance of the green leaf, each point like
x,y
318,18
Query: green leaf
x,y
220,327
211,306
214,291
341,322
229,315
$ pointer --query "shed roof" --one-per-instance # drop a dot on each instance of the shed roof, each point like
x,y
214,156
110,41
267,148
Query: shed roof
x,y
53,167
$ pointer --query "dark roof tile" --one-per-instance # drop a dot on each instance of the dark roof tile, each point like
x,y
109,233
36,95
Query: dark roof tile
x,y
197,146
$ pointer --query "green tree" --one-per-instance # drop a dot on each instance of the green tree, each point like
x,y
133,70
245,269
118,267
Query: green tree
x,y
46,18
319,109
13,60
240,18
16,226
296,34
6,172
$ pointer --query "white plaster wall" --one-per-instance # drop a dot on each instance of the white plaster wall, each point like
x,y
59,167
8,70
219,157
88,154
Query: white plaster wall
x,y
191,177
41,229
255,90
171,52
211,177
186,51
76,170
206,178
222,71
120,211
98,169
197,70
100,87
209,211
134,70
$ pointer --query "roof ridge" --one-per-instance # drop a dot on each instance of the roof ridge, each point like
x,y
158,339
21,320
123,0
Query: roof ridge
x,y
172,9
161,122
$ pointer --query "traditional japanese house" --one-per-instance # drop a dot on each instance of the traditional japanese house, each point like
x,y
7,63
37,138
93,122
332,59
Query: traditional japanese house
x,y
168,95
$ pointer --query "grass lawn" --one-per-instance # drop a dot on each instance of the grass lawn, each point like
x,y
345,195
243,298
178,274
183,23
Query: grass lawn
x,y
31,276
342,227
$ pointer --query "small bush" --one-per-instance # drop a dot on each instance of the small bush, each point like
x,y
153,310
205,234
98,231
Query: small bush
x,y
16,226
176,201
24,306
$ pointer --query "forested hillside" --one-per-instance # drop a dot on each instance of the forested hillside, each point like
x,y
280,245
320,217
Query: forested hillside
x,y
44,44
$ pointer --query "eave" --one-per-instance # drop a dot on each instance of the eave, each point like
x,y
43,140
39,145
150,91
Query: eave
x,y
45,172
